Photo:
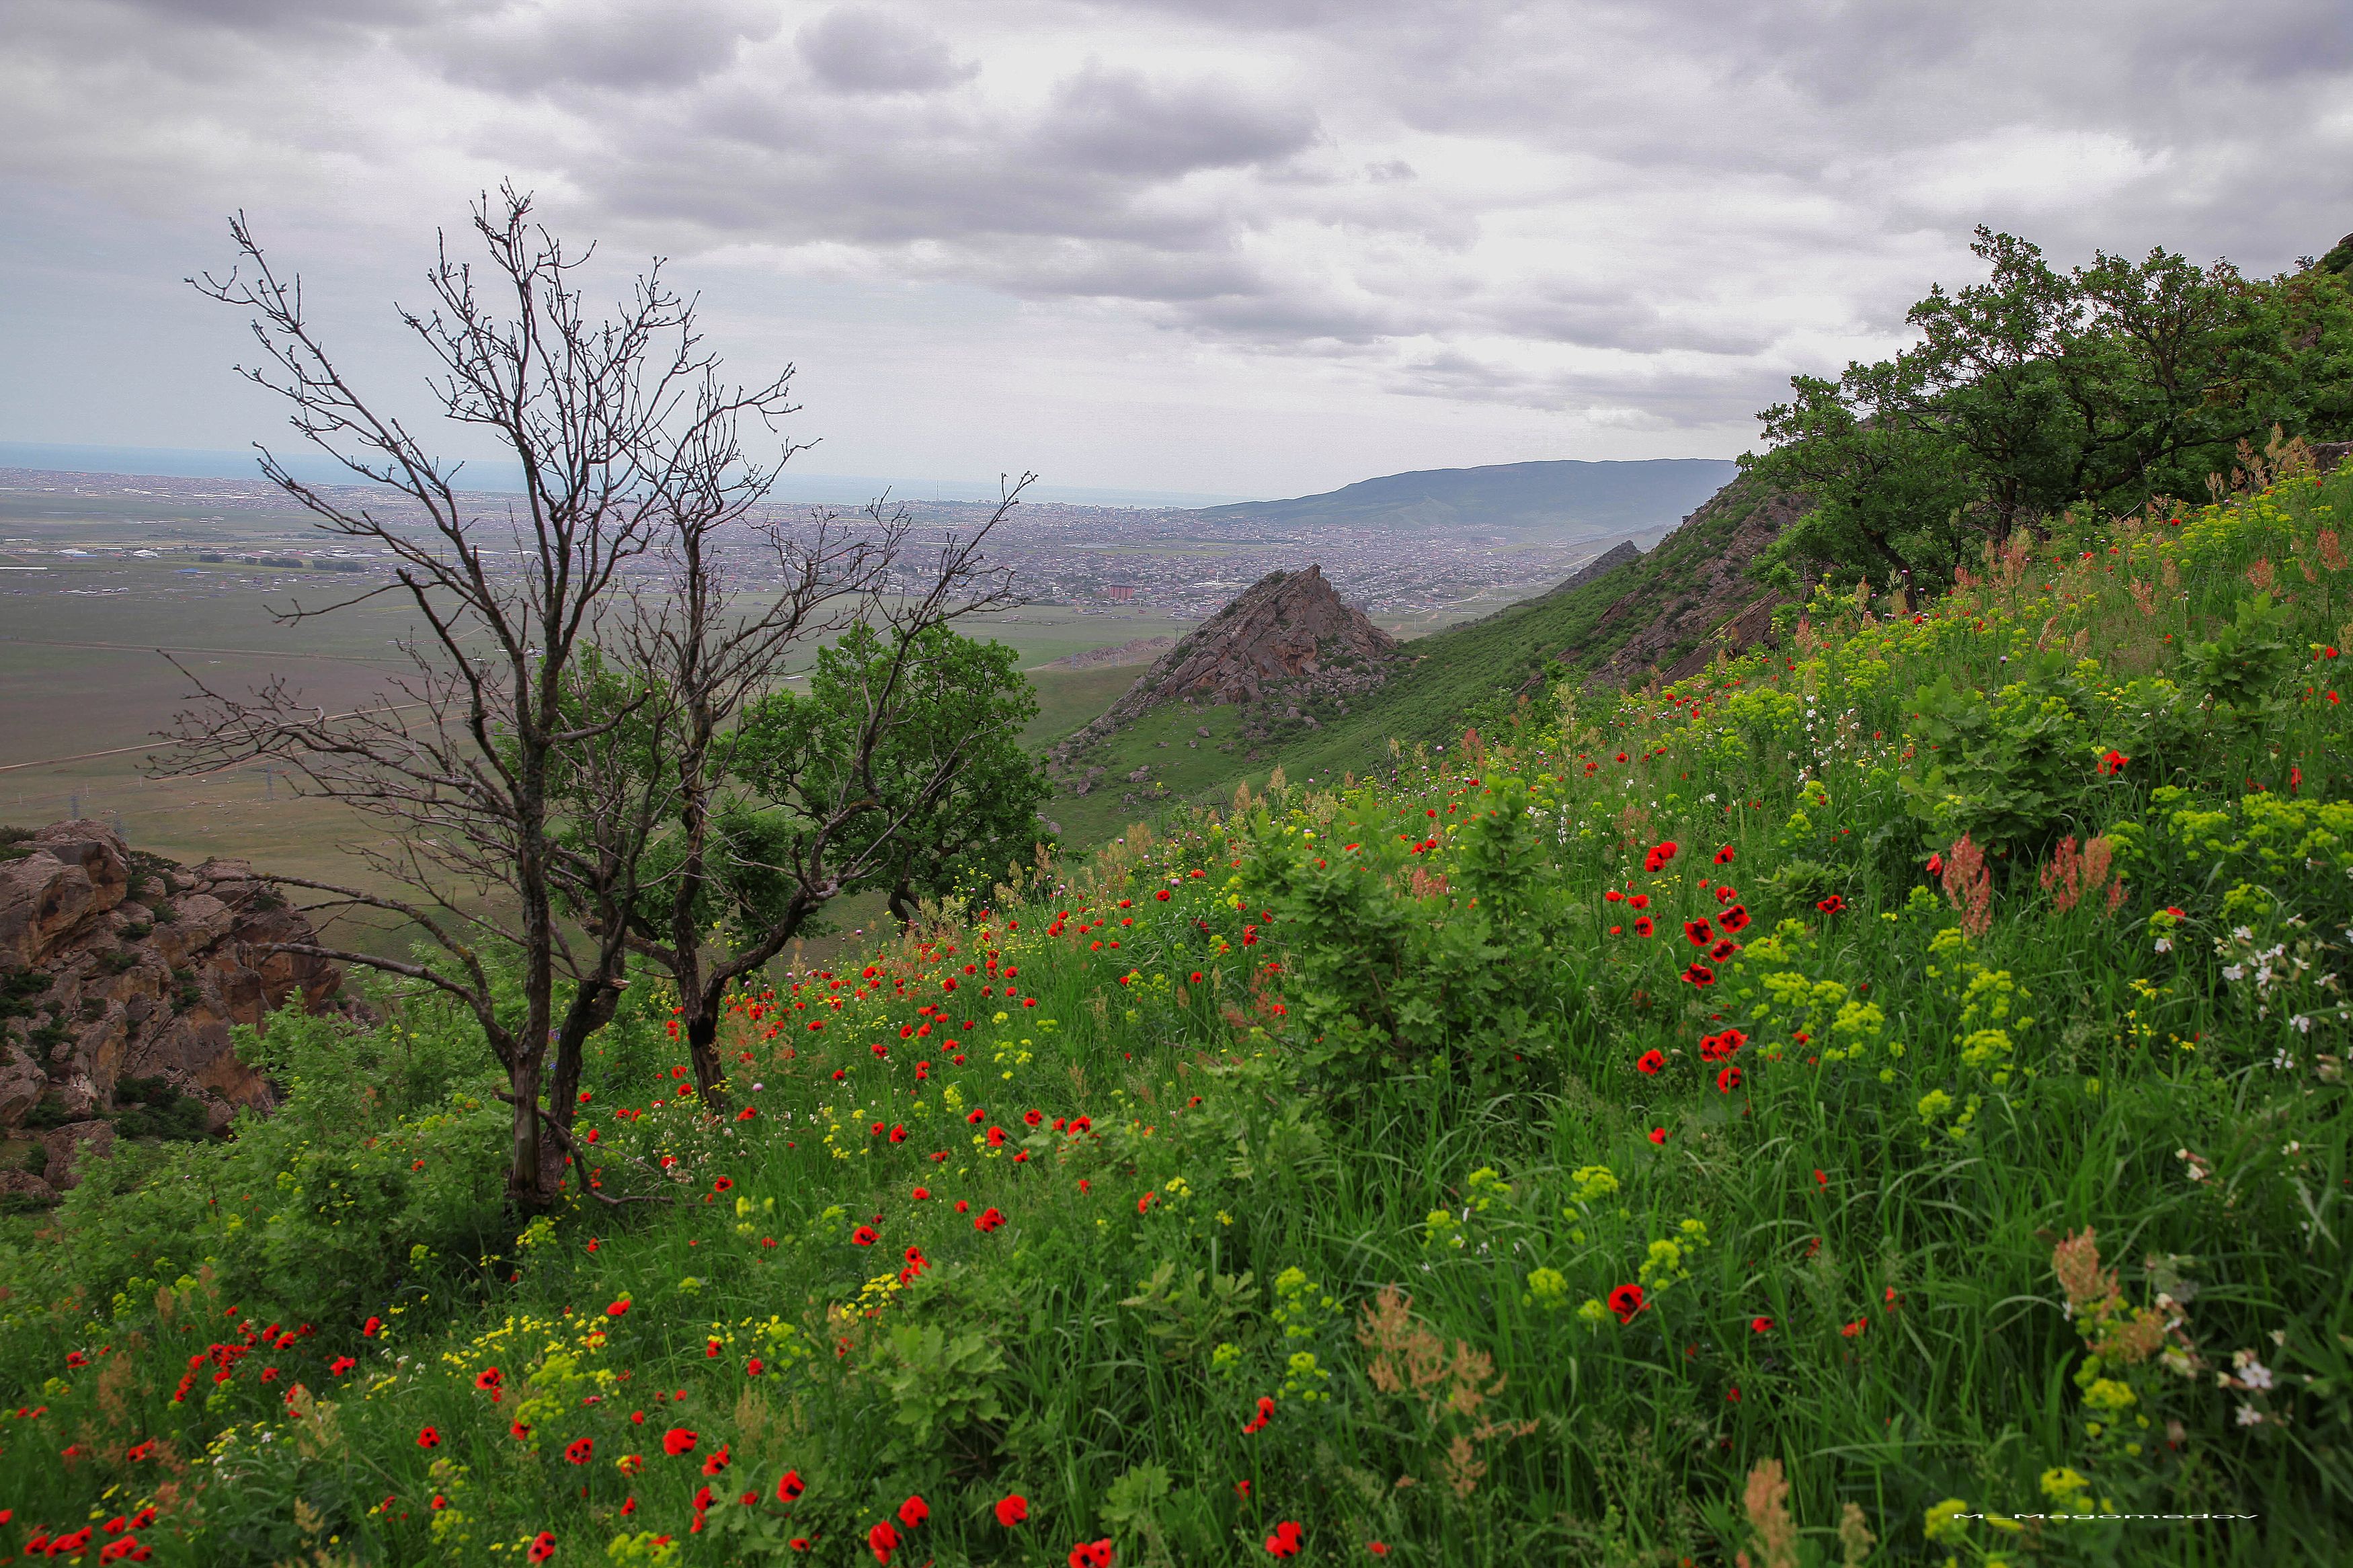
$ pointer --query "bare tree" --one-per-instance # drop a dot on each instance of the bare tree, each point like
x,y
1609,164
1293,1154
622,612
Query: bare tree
x,y
766,845
615,424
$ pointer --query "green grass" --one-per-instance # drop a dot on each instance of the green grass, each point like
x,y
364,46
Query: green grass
x,y
1388,1098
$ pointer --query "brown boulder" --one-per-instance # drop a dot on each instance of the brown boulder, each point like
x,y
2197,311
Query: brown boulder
x,y
73,873
22,1189
69,1144
149,987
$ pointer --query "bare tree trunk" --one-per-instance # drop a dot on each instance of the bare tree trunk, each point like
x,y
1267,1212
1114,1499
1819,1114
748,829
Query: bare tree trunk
x,y
515,789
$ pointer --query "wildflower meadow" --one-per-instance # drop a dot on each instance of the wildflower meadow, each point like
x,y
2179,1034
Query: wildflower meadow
x,y
1880,1100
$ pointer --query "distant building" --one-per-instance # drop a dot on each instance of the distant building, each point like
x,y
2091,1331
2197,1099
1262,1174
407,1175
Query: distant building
x,y
1120,593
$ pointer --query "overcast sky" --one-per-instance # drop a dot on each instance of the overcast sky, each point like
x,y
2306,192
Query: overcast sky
x,y
1239,247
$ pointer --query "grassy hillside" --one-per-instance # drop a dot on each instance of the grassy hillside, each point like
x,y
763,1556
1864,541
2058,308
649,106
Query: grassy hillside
x,y
1469,674
1884,1104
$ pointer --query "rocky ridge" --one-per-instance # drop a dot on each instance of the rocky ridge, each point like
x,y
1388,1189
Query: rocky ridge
x,y
1287,637
122,974
1689,608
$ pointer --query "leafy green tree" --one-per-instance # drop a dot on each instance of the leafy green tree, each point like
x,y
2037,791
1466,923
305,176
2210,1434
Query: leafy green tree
x,y
2037,390
953,795
1890,499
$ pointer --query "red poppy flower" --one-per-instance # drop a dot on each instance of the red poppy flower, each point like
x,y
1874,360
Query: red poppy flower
x,y
913,1511
617,1308
1697,933
922,1193
977,1116
1936,865
1092,1553
1728,1080
368,1328
716,1462
1724,855
1011,1510
678,1440
1162,895
1265,1414
1722,950
1650,1062
429,1437
1658,1135
865,1236
580,1451
987,1220
543,1546
1031,1118
1145,1202
1700,975
1733,920
489,1377
1377,1548
790,1487
1760,1325
996,1136
2112,762
1284,1541
1639,901
340,1365
1626,1301
882,1541
517,1431
1833,905
724,1185
1642,927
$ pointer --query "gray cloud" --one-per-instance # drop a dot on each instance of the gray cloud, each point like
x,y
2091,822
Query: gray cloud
x,y
638,45
1644,215
860,50
1124,121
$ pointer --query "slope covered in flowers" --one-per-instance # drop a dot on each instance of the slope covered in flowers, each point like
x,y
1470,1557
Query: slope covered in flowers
x,y
1861,1104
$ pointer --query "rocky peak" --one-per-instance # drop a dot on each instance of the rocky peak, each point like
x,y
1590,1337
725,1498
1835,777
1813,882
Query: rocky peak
x,y
1288,633
123,973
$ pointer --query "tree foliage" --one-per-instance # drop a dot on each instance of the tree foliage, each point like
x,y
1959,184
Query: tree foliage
x,y
2108,385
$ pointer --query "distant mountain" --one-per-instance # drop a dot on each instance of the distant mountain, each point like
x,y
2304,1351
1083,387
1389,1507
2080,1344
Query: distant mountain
x,y
1556,499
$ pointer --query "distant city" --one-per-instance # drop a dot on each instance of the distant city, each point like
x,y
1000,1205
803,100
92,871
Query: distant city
x,y
1168,561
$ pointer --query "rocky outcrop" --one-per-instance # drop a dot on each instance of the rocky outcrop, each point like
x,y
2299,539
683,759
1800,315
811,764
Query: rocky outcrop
x,y
116,966
1289,635
1701,597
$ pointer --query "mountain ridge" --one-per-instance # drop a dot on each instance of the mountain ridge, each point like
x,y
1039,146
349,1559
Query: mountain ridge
x,y
1564,497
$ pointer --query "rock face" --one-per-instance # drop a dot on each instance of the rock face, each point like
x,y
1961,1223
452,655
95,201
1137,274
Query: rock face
x,y
1289,634
1718,607
115,965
